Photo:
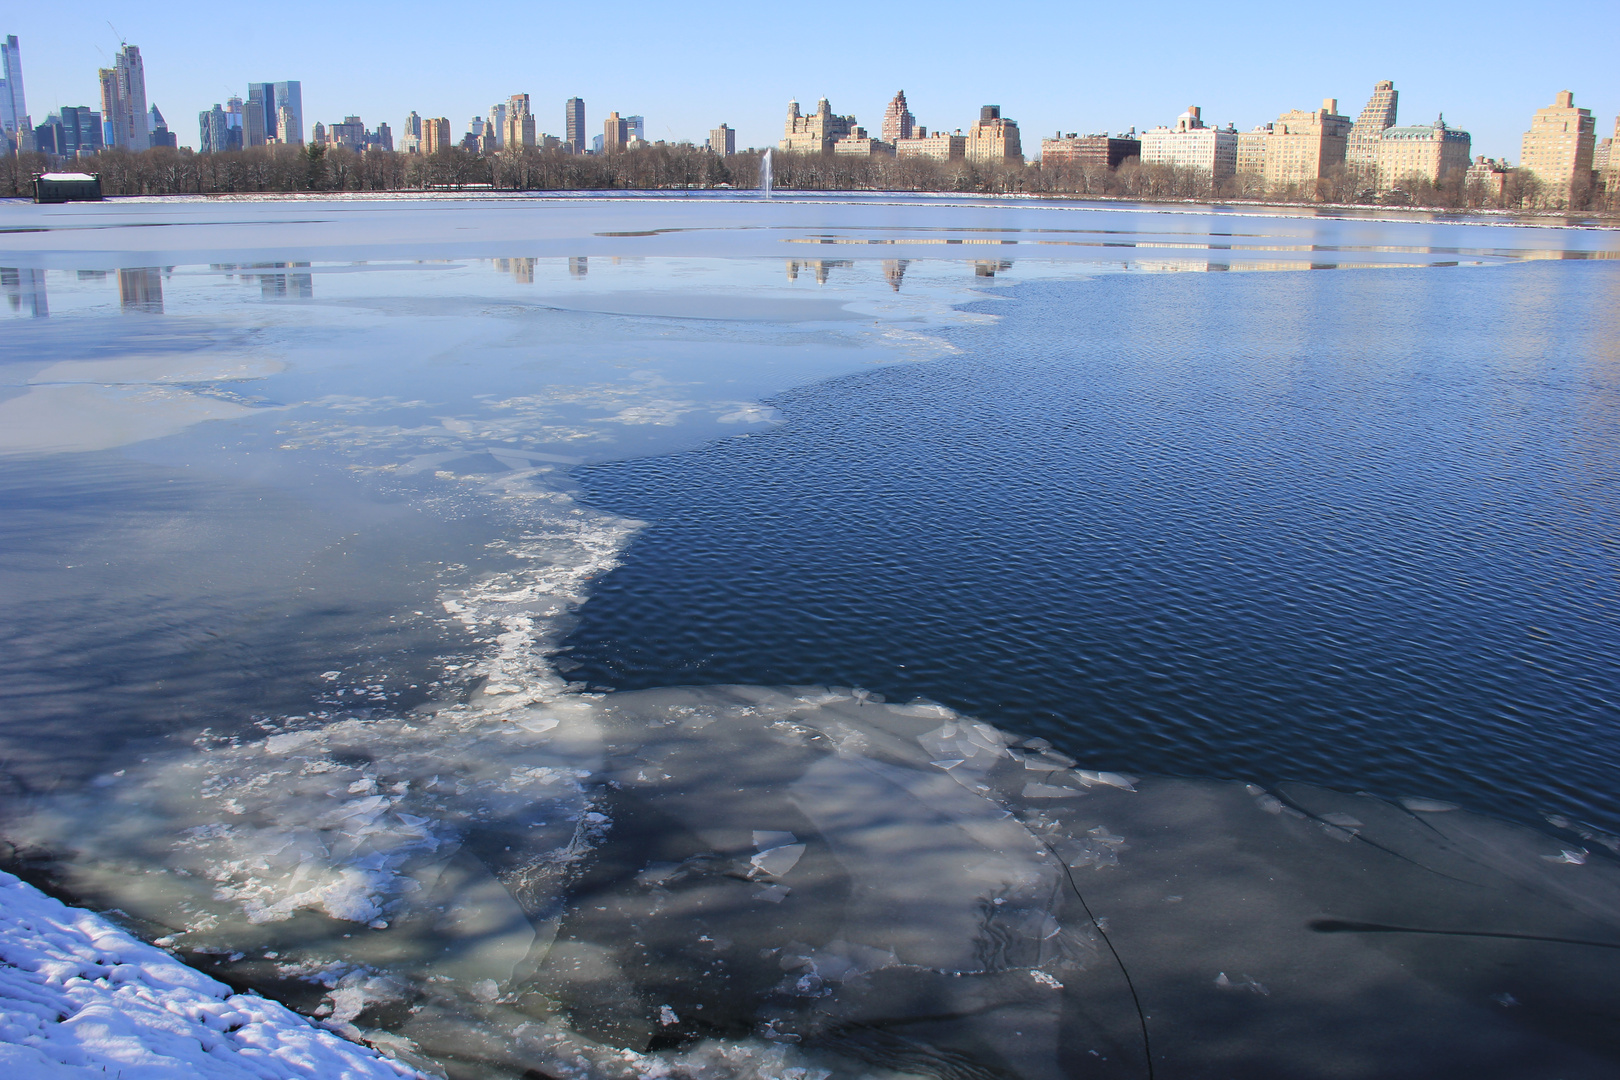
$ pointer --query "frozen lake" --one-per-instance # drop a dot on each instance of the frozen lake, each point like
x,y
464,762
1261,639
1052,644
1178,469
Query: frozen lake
x,y
841,636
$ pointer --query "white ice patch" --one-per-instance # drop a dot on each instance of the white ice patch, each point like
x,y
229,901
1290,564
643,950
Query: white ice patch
x,y
524,608
203,365
80,417
751,414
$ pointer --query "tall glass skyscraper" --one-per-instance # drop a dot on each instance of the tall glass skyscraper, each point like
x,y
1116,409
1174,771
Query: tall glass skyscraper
x,y
13,105
574,122
290,96
273,97
123,100
265,95
81,131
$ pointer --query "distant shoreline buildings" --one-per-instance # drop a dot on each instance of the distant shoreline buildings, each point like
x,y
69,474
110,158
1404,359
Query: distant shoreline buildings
x,y
1308,154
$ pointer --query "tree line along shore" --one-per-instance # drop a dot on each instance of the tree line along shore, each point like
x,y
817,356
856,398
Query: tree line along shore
x,y
317,168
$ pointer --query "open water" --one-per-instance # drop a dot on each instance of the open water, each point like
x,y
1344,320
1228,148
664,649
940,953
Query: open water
x,y
1356,529
614,636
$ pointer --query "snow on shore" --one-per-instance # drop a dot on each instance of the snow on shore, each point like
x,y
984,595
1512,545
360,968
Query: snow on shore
x,y
80,997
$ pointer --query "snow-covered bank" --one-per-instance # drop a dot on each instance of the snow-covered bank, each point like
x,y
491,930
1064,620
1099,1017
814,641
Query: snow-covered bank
x,y
81,997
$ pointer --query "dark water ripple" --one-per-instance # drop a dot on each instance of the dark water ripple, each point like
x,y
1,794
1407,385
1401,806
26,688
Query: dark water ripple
x,y
1353,528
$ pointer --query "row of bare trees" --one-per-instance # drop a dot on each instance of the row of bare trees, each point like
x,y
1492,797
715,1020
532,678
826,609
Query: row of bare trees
x,y
163,171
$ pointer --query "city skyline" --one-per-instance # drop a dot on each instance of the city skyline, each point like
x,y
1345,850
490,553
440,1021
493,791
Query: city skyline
x,y
1482,78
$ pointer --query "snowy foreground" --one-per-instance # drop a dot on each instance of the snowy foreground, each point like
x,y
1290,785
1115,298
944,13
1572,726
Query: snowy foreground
x,y
80,997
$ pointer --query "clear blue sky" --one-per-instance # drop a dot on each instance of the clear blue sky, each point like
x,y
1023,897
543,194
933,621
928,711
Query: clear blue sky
x,y
1076,66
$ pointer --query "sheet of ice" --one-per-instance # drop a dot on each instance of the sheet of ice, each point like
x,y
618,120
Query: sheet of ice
x,y
81,997
78,418
195,367
643,356
813,228
788,873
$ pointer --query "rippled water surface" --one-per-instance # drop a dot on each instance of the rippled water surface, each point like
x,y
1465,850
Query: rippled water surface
x,y
1360,530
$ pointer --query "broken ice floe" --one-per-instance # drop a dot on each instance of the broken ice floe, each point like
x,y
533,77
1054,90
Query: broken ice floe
x,y
743,882
1242,982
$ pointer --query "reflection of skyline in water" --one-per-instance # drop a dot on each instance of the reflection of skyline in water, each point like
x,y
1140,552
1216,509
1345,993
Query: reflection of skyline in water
x,y
141,289
25,291
522,270
275,283
821,269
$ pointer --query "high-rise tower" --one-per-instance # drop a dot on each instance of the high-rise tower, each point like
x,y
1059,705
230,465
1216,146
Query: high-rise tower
x,y
289,104
123,100
1361,152
574,122
13,105
898,123
1557,150
497,120
519,123
265,94
615,133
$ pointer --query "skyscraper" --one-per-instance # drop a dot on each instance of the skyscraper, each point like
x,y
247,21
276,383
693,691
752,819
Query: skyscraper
x,y
265,94
898,123
1303,146
123,100
1611,165
212,131
290,97
615,133
519,123
13,105
815,133
159,129
574,122
723,140
233,123
289,127
253,131
497,120
635,129
1557,150
411,140
1361,153
436,134
994,138
81,131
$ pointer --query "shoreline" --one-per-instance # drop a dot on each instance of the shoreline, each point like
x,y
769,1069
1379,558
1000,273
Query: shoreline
x,y
1235,207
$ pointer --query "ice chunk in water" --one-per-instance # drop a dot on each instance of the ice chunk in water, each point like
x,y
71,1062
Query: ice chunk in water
x,y
765,839
1427,806
1050,791
1111,779
778,860
1574,858
1243,982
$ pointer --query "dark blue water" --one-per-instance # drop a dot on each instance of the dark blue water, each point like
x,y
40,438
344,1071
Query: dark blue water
x,y
1352,528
